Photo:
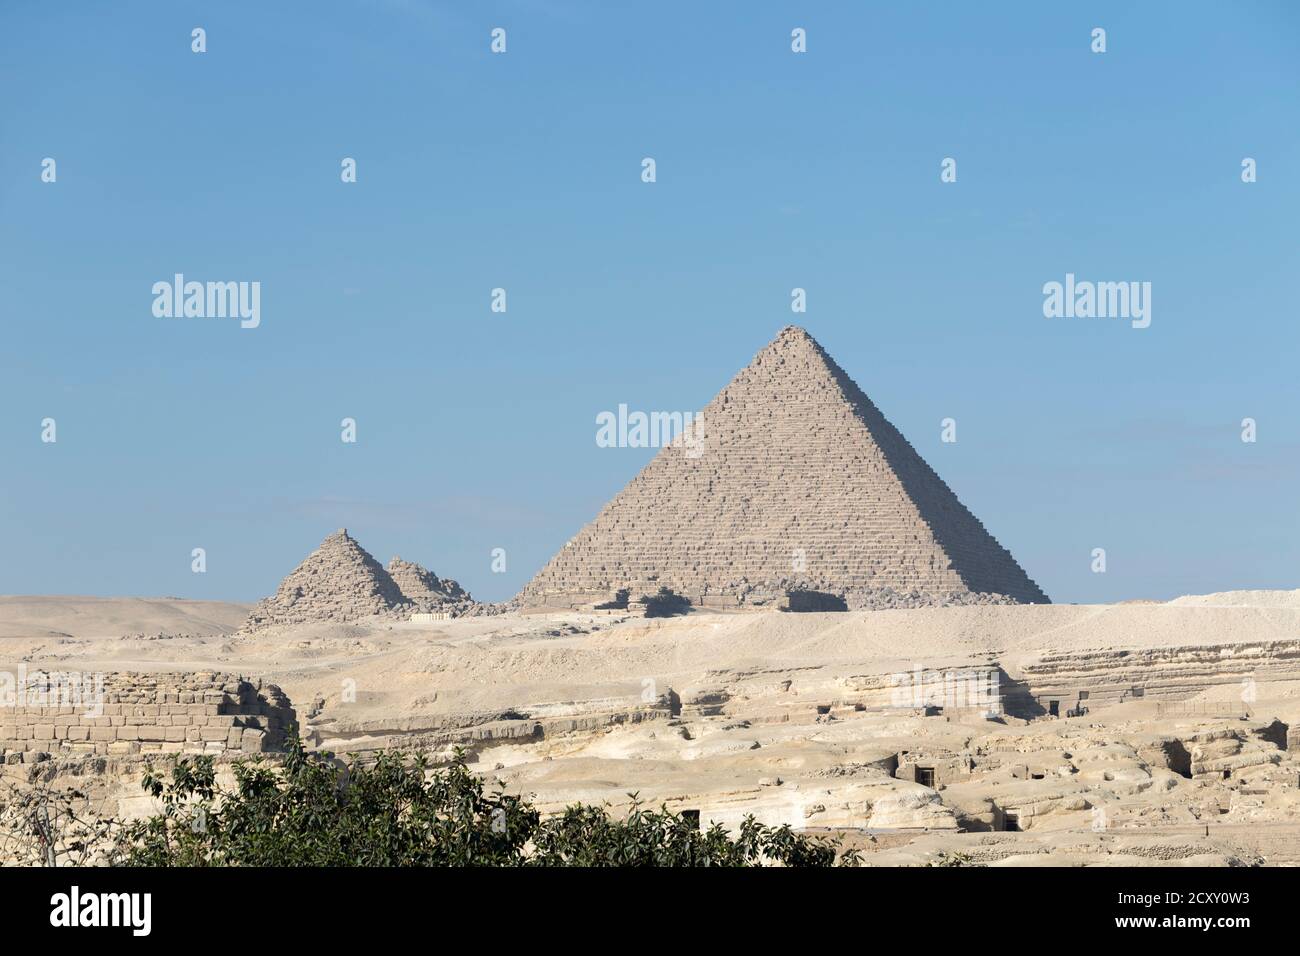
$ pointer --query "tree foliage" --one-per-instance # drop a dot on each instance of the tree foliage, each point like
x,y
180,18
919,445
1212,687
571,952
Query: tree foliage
x,y
312,810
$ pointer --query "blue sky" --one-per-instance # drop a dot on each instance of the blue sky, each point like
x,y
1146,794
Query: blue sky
x,y
775,170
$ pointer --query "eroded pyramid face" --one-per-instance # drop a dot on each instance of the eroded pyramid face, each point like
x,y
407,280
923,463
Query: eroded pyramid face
x,y
794,480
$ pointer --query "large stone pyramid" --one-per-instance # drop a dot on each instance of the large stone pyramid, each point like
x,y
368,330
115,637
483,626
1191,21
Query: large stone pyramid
x,y
796,482
339,581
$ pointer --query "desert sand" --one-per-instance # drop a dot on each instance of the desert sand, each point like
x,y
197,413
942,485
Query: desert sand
x,y
794,718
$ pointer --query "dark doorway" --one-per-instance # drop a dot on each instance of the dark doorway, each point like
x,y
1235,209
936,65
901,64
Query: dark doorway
x,y
1276,733
1012,821
1054,708
1179,760
925,776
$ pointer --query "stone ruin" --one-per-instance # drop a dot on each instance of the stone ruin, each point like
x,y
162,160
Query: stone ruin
x,y
341,582
423,588
140,713
794,482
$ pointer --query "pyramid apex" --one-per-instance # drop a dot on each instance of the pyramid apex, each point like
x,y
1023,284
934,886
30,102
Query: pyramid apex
x,y
795,332
796,337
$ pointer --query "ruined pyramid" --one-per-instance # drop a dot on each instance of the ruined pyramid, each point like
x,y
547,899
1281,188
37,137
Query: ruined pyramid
x,y
339,582
422,587
795,481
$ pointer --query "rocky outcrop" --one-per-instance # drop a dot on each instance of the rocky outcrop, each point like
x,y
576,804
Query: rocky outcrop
x,y
1168,675
1224,752
912,808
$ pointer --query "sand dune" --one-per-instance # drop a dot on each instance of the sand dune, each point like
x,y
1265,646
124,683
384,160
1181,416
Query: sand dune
x,y
95,617
1241,599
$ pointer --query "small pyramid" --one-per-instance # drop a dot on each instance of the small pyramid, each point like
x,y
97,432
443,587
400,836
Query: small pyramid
x,y
422,587
338,582
794,481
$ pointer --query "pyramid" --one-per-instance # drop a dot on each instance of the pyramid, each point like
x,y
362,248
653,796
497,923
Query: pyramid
x,y
424,588
338,582
797,482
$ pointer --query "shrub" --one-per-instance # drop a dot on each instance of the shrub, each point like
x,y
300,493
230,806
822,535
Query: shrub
x,y
44,825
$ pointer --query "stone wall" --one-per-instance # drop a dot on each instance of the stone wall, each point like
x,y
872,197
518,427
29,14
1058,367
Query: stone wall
x,y
125,713
471,731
